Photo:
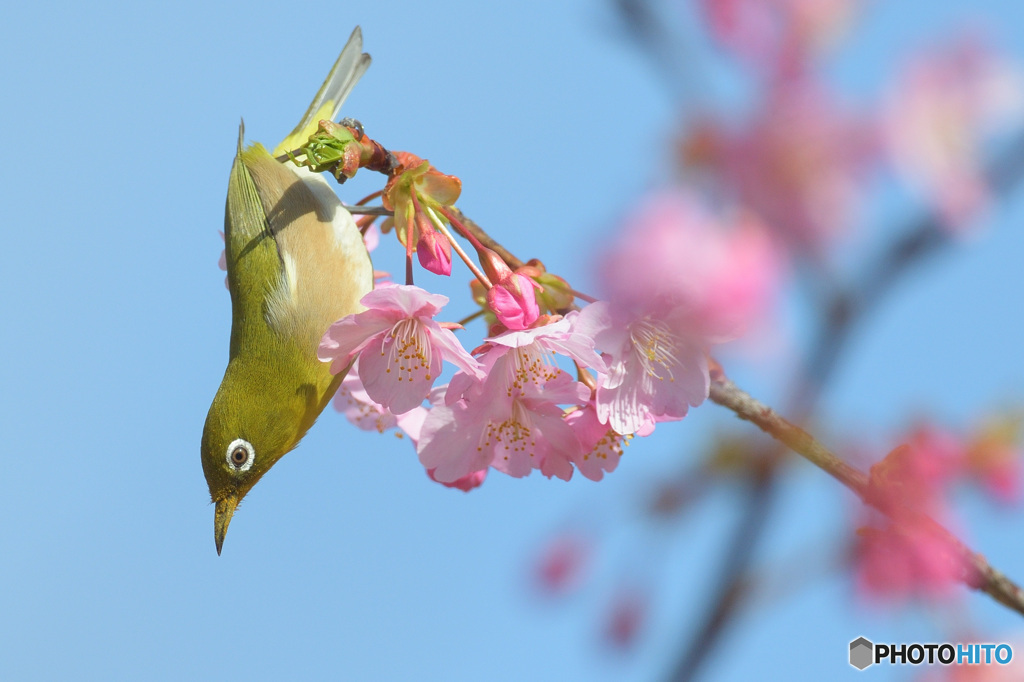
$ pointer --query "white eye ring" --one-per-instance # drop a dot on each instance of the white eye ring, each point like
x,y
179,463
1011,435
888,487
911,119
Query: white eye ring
x,y
240,447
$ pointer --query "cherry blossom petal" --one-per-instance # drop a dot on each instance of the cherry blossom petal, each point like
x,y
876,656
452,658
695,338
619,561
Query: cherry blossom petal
x,y
350,334
448,444
399,369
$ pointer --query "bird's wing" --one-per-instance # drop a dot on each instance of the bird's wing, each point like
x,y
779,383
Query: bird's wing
x,y
253,259
346,72
296,261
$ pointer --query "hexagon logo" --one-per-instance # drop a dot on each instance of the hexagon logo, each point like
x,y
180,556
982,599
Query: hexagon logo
x,y
862,653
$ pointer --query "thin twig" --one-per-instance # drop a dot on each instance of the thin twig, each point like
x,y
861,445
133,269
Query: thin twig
x,y
472,316
486,239
368,210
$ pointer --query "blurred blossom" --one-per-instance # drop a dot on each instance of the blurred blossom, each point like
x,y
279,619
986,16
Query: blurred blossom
x,y
222,262
678,279
562,563
748,27
353,401
777,33
918,474
720,273
371,237
802,164
905,554
907,560
994,458
937,116
626,617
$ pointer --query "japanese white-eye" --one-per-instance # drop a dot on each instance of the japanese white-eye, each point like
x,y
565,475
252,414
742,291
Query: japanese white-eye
x,y
296,263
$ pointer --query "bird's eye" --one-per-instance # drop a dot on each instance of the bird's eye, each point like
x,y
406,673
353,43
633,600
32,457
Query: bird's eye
x,y
240,454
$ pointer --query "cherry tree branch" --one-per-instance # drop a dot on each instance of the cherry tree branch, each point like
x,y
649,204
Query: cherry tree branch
x,y
978,574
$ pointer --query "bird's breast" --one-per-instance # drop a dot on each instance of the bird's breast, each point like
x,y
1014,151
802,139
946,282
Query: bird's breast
x,y
324,266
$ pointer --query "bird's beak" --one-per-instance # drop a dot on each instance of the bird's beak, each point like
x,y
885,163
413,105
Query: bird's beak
x,y
222,517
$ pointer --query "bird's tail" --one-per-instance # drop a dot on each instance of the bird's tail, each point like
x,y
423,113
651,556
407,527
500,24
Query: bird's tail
x,y
346,72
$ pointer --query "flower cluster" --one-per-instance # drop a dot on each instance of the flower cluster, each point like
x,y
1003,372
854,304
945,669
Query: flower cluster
x,y
553,386
937,116
905,553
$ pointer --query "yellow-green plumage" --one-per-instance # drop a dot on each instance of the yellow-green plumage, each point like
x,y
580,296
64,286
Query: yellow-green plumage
x,y
296,263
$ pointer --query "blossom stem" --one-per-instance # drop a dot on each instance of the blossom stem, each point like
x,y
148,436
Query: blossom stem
x,y
370,197
458,225
585,377
478,237
582,296
365,222
472,316
439,224
977,572
289,155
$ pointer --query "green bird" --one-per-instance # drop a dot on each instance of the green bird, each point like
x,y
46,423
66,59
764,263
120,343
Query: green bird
x,y
296,263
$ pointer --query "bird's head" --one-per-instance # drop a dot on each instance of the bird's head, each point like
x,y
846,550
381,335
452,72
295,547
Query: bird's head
x,y
246,432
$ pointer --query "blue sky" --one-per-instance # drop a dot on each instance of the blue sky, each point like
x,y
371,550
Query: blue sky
x,y
346,562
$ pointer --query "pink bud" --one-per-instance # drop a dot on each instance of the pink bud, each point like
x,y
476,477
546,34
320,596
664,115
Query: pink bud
x,y
513,302
435,252
494,265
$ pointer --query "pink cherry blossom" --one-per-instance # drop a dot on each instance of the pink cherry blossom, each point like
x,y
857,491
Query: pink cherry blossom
x,y
600,446
655,373
723,273
513,419
512,434
938,114
353,401
397,344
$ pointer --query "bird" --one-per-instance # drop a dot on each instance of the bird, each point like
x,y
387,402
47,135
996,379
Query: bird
x,y
296,263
